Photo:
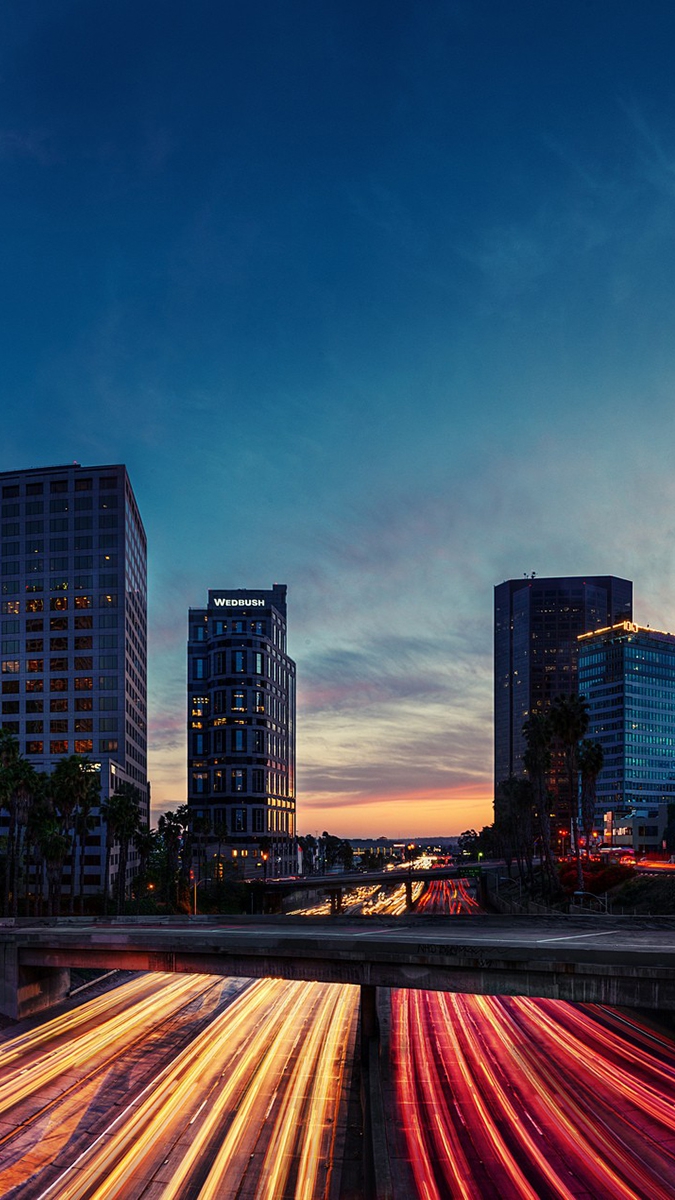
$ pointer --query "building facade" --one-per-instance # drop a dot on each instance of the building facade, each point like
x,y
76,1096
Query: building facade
x,y
536,626
627,675
73,584
241,730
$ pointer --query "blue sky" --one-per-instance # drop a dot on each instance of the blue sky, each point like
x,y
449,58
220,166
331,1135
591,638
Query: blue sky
x,y
373,299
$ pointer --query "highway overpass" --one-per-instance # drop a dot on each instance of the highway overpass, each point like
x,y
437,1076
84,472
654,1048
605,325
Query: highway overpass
x,y
598,959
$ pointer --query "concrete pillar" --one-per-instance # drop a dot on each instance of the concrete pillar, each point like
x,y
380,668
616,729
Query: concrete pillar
x,y
28,990
408,895
336,902
370,1025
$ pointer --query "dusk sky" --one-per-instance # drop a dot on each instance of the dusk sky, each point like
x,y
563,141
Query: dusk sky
x,y
374,298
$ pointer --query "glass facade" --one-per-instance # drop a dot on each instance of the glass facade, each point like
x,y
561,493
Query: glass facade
x,y
241,725
627,674
537,623
73,624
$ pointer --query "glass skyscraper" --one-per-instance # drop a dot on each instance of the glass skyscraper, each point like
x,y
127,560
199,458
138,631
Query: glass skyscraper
x,y
627,674
241,729
74,629
536,626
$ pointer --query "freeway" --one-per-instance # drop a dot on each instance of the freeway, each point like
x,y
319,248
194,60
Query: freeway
x,y
172,1086
515,1099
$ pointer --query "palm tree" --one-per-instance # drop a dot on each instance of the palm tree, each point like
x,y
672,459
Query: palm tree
x,y
569,722
591,759
145,841
54,845
122,815
18,784
170,832
537,763
75,785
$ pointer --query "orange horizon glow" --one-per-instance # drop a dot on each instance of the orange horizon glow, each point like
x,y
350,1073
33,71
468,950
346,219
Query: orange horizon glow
x,y
435,812
440,812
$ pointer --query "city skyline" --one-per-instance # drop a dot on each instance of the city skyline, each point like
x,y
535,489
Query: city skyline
x,y
372,301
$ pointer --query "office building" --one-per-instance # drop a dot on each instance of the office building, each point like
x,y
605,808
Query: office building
x,y
627,675
241,730
536,626
74,630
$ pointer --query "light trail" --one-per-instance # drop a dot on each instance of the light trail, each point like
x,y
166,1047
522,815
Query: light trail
x,y
524,1098
257,1094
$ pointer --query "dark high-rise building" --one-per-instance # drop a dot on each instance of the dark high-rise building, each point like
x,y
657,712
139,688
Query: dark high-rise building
x,y
241,730
74,629
537,623
627,675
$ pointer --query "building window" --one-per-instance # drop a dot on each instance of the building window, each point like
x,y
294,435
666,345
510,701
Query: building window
x,y
58,726
35,685
258,627
58,664
10,666
83,745
258,820
239,701
86,704
238,779
34,726
107,746
84,725
35,706
58,747
259,702
258,778
36,666
259,667
34,747
83,602
199,668
58,603
239,661
238,626
239,820
238,739
56,685
200,783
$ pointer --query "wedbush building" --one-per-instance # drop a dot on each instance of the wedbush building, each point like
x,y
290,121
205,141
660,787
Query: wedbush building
x,y
241,729
73,583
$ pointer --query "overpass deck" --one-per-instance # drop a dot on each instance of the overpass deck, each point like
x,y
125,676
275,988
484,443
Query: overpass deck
x,y
622,961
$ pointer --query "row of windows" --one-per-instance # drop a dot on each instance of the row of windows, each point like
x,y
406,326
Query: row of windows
x,y
56,486
34,666
256,820
63,745
261,782
199,633
81,683
61,725
61,704
106,641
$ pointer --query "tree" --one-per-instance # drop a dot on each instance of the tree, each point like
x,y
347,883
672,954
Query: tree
x,y
75,787
569,722
169,834
591,759
537,763
121,813
18,784
54,845
514,824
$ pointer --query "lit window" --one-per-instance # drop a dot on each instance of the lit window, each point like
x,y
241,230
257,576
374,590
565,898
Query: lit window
x,y
58,747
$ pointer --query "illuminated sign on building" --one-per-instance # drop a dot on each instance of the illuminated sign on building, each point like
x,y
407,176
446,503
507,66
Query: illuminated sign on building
x,y
221,602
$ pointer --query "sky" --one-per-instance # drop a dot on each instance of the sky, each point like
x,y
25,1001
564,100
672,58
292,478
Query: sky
x,y
373,299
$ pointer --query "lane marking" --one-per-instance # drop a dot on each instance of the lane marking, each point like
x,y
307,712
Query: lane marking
x,y
573,937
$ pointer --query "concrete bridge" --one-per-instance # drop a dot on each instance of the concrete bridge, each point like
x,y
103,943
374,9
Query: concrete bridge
x,y
624,961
